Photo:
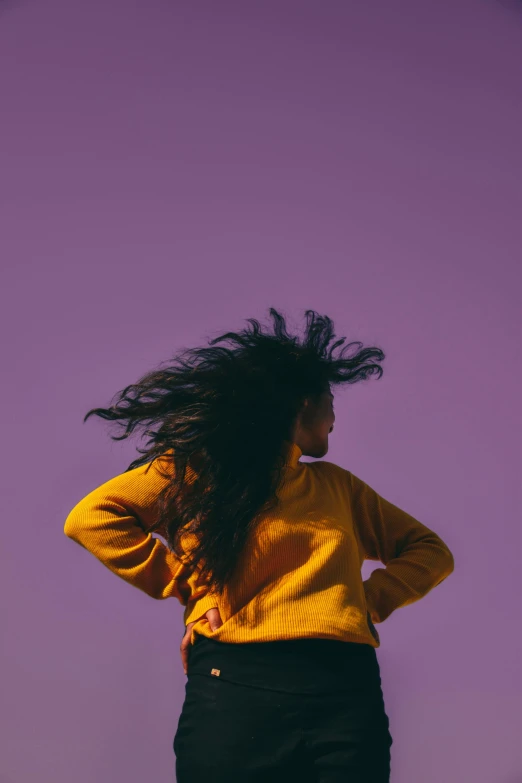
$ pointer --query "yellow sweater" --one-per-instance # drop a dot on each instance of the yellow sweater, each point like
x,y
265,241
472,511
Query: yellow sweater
x,y
300,574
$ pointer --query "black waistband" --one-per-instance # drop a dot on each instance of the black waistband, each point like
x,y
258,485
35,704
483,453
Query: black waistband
x,y
292,665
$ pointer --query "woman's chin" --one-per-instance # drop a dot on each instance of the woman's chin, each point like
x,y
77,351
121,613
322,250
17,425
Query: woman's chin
x,y
320,451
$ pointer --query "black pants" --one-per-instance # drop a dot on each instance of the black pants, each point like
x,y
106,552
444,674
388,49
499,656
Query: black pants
x,y
310,710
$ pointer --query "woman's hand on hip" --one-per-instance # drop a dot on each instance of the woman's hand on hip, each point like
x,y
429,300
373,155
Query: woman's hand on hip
x,y
215,622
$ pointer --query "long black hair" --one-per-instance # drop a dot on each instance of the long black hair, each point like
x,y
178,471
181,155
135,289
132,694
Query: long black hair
x,y
223,415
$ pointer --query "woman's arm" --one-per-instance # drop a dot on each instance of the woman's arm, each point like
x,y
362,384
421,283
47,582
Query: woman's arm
x,y
109,522
416,558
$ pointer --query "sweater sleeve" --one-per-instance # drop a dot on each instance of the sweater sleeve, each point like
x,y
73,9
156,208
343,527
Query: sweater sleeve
x,y
110,523
416,559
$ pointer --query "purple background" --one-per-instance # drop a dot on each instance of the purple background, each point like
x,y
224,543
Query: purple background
x,y
170,169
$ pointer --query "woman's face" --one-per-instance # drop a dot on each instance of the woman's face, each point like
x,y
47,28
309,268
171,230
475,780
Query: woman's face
x,y
314,424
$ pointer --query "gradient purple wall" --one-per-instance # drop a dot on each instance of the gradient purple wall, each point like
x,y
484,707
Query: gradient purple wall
x,y
170,169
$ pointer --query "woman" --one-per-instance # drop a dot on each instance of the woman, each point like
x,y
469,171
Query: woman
x,y
265,553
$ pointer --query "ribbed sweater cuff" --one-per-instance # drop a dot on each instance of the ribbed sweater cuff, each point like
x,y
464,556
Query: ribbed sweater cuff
x,y
198,608
369,602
